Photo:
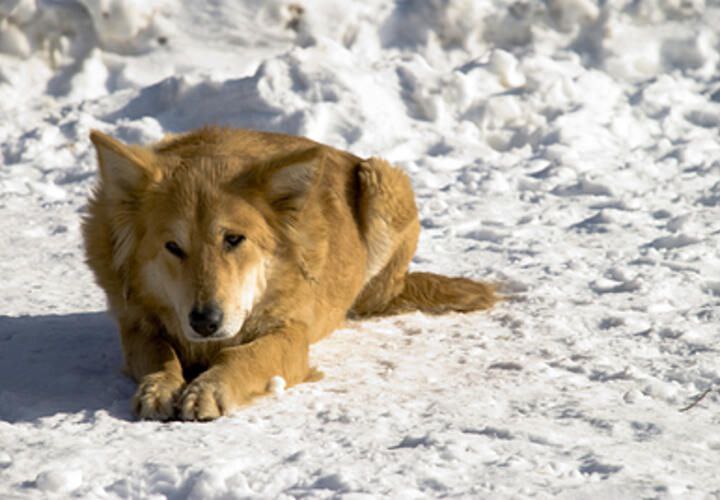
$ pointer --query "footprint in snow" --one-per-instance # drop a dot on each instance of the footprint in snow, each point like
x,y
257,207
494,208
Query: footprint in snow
x,y
491,432
591,465
414,442
672,242
611,322
645,431
582,188
712,288
506,365
595,224
485,235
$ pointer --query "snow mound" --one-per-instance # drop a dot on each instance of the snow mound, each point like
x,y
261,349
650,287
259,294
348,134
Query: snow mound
x,y
59,481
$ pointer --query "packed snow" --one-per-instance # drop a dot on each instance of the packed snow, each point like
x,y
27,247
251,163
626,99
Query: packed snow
x,y
566,149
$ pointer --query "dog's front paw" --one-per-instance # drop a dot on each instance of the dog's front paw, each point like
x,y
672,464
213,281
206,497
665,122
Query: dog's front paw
x,y
206,398
156,396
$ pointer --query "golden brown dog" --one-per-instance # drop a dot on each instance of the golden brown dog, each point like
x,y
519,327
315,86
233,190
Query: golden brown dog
x,y
225,253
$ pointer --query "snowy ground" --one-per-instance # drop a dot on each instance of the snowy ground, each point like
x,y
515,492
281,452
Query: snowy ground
x,y
567,149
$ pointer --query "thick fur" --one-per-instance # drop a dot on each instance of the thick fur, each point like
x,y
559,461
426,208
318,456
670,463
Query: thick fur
x,y
326,235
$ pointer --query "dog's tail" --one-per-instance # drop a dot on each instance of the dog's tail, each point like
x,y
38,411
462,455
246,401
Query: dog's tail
x,y
437,294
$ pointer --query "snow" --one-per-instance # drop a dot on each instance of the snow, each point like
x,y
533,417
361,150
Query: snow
x,y
567,149
62,481
277,385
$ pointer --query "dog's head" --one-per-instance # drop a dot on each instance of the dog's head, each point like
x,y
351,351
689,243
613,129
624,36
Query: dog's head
x,y
196,235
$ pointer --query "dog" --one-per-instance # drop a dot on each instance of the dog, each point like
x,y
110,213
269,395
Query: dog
x,y
224,253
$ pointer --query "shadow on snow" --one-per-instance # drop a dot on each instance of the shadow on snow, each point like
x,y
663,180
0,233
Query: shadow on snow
x,y
61,364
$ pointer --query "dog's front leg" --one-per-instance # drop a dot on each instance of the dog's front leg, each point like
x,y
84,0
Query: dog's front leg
x,y
239,373
153,363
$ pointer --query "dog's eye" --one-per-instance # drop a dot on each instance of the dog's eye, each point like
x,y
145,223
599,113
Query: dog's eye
x,y
175,249
232,240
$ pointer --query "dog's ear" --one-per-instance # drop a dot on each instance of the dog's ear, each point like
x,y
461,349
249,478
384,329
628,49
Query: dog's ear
x,y
288,181
124,169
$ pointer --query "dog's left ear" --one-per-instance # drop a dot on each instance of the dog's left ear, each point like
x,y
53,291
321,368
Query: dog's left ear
x,y
124,169
288,181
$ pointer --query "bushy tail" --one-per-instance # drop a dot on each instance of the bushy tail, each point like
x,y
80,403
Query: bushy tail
x,y
437,294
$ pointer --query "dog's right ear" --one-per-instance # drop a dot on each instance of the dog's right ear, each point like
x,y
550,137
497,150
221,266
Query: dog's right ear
x,y
124,169
288,180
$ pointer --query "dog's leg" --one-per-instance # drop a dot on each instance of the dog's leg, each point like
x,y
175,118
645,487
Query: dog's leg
x,y
153,363
388,215
239,373
390,228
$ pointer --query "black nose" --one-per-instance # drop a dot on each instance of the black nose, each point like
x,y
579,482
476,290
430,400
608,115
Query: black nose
x,y
206,320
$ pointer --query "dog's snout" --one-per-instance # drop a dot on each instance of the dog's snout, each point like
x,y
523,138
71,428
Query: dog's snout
x,y
207,319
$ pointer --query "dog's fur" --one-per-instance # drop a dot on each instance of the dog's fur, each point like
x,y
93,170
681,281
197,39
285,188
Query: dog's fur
x,y
326,235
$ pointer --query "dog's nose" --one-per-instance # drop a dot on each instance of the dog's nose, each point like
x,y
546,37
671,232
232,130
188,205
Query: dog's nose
x,y
206,320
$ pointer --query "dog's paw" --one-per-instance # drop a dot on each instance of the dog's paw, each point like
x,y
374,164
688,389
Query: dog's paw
x,y
206,398
156,396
